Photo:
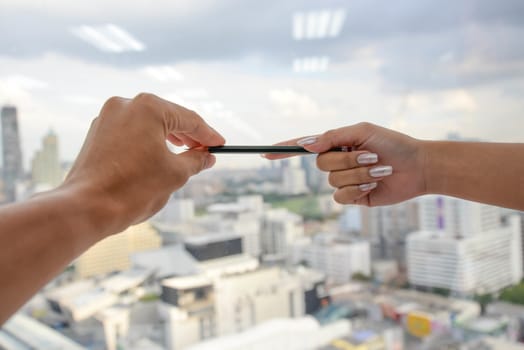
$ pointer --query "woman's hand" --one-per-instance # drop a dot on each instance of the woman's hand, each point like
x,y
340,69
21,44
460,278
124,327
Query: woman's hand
x,y
384,166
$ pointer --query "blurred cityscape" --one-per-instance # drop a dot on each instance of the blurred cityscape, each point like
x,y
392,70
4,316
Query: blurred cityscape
x,y
264,258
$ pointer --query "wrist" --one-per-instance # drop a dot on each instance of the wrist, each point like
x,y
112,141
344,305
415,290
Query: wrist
x,y
436,172
88,210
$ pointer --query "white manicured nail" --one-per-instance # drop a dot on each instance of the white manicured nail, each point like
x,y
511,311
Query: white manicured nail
x,y
307,141
380,171
367,158
367,187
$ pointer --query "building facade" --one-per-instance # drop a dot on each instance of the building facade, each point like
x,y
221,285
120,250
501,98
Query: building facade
x,y
113,253
339,258
45,166
11,152
478,264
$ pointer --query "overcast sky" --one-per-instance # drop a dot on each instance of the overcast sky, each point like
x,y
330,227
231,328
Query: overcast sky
x,y
422,67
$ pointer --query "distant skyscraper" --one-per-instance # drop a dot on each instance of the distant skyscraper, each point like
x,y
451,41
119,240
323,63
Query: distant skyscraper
x,y
11,152
388,226
293,177
316,180
45,167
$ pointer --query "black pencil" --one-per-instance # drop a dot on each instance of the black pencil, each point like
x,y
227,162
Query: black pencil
x,y
266,149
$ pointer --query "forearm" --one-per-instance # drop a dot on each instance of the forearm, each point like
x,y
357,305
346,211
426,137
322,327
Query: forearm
x,y
39,238
492,173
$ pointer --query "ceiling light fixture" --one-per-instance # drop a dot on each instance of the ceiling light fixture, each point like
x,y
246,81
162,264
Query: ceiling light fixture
x,y
318,24
109,38
312,64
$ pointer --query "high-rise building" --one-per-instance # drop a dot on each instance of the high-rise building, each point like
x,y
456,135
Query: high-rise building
x,y
338,257
457,216
471,264
316,180
45,167
280,227
11,151
293,177
113,253
387,228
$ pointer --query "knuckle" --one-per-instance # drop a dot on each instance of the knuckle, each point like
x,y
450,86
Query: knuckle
x,y
113,102
333,179
341,197
362,175
145,102
330,133
321,164
348,160
365,125
144,97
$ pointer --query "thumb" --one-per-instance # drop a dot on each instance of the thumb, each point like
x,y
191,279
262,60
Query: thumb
x,y
349,136
193,161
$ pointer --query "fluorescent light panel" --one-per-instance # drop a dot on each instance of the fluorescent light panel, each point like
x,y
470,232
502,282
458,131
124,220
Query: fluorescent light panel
x,y
311,64
318,24
109,38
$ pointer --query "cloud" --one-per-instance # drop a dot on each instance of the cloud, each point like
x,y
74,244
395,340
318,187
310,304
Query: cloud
x,y
429,44
289,103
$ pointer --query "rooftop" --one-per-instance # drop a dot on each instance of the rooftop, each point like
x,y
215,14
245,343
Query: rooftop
x,y
187,282
23,332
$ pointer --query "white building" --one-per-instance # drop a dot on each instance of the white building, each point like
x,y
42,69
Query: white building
x,y
457,216
293,177
478,263
230,295
339,258
242,217
177,210
280,228
282,333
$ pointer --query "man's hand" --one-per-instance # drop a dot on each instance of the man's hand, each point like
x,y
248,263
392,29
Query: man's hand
x,y
125,165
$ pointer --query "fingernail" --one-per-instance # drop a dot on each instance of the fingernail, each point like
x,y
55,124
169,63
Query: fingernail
x,y
367,158
380,171
367,187
263,156
307,141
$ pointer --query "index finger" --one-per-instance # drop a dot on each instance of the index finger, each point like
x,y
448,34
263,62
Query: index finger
x,y
181,120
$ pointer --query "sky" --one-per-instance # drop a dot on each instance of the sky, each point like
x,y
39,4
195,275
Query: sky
x,y
426,68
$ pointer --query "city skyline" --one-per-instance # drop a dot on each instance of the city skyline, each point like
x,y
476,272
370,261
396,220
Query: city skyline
x,y
254,253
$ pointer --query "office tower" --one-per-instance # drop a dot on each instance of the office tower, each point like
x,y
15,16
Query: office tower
x,y
293,177
45,167
457,216
280,227
339,258
11,151
112,253
387,227
316,180
474,264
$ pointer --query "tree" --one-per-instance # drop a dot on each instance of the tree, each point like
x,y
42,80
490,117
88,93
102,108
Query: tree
x,y
359,276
